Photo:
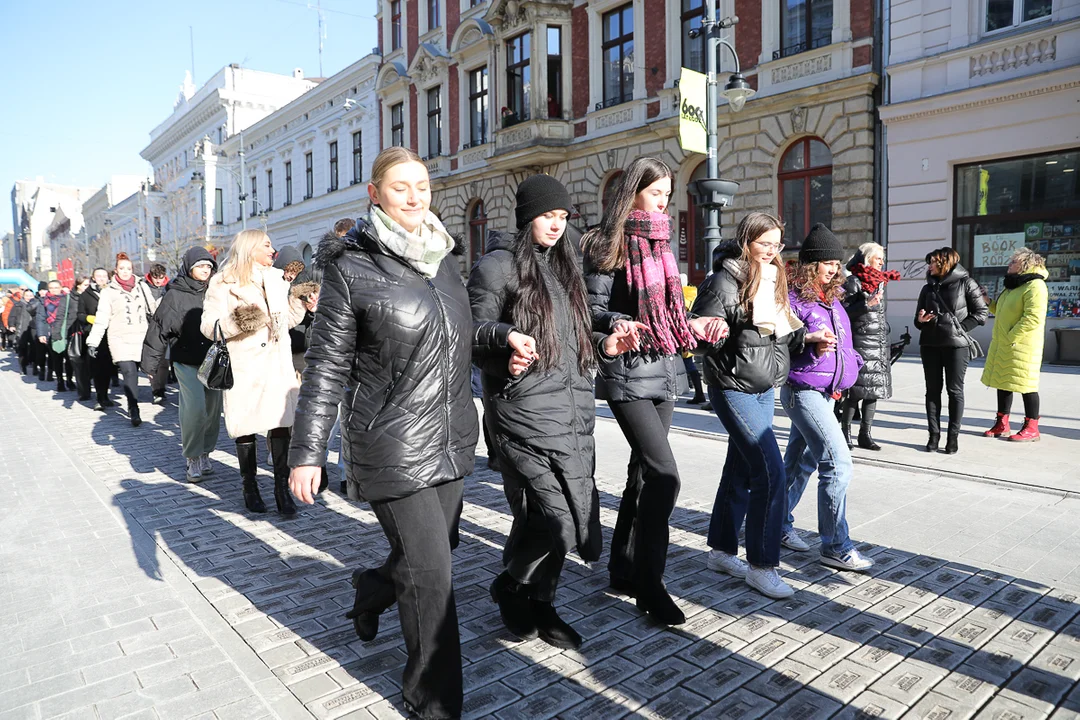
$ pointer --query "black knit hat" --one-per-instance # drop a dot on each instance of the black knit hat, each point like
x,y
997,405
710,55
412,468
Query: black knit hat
x,y
43,285
821,246
539,194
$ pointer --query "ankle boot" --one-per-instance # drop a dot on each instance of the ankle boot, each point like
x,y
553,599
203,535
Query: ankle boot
x,y
658,604
245,453
952,444
279,456
133,411
846,429
866,442
1029,432
515,608
1001,426
366,622
933,442
699,391
553,629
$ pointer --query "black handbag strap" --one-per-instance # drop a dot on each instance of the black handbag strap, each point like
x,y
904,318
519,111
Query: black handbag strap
x,y
218,335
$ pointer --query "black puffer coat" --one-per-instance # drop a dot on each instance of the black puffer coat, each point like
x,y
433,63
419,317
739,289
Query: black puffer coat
x,y
543,420
401,344
630,376
955,300
745,361
175,324
870,336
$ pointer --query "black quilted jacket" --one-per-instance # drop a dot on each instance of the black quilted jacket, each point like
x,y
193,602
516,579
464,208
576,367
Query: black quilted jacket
x,y
402,347
957,303
870,336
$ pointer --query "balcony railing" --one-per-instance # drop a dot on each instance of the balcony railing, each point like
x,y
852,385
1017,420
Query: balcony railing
x,y
796,48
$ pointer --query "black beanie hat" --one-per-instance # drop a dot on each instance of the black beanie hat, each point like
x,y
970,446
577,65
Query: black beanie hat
x,y
43,285
539,194
821,246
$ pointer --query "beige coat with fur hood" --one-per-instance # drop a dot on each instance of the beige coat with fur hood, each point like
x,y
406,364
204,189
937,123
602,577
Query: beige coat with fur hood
x,y
255,322
121,317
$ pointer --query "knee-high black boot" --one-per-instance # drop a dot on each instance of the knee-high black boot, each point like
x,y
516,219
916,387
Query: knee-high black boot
x,y
279,455
245,453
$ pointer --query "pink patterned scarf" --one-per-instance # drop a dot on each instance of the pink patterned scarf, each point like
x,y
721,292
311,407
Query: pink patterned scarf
x,y
651,272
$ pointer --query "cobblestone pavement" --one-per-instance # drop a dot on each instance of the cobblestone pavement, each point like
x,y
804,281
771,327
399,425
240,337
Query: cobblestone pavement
x,y
125,592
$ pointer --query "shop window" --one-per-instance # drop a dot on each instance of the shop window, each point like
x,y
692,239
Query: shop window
x,y
478,106
1031,201
618,56
518,80
805,180
804,25
554,72
1002,14
477,230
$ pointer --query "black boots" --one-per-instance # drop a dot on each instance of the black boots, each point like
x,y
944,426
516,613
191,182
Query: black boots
x,y
515,608
845,427
933,443
553,629
952,442
245,453
659,605
866,442
366,622
279,455
699,391
133,411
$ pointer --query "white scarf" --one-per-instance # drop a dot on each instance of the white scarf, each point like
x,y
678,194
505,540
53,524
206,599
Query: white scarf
x,y
424,249
768,319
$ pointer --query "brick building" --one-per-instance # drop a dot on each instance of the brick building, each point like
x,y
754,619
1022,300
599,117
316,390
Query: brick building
x,y
490,92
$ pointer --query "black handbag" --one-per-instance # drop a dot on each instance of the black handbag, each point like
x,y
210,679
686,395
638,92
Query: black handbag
x,y
76,347
216,369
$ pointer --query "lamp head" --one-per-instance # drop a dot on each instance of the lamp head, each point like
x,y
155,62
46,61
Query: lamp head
x,y
738,91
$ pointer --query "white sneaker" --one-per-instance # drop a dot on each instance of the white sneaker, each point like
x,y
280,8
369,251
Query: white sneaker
x,y
194,470
793,541
730,564
851,560
768,583
205,464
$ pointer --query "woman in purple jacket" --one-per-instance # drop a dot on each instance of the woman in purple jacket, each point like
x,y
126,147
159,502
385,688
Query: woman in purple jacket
x,y
818,375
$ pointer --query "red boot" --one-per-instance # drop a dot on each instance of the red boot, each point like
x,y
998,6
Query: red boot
x,y
1001,427
1028,433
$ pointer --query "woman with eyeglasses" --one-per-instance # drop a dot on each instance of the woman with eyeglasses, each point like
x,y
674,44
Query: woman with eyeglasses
x,y
950,306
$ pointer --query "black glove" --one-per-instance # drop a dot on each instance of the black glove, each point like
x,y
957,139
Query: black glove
x,y
91,350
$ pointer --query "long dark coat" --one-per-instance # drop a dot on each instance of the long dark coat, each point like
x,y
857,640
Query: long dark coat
x,y
870,336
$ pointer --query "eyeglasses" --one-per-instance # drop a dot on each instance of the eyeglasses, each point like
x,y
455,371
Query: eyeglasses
x,y
776,247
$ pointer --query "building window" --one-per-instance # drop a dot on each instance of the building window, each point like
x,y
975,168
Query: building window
x,y
805,180
477,230
269,190
693,49
1031,201
219,206
434,19
397,125
554,72
518,76
288,183
395,24
434,122
157,230
478,106
333,167
357,158
254,196
1007,13
309,177
804,25
618,55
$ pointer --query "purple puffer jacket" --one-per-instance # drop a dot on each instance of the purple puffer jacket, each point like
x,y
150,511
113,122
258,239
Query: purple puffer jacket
x,y
832,372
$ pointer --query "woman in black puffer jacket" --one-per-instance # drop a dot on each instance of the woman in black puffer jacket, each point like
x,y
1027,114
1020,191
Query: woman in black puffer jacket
x,y
950,306
394,325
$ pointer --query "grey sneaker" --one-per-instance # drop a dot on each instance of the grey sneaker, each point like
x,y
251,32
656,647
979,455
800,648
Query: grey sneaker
x,y
851,560
793,541
205,464
730,564
194,470
768,583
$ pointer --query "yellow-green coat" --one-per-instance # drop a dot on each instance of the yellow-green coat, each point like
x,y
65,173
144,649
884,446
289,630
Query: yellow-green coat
x,y
1016,347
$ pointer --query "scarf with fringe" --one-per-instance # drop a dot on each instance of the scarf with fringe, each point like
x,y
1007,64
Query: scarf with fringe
x,y
651,272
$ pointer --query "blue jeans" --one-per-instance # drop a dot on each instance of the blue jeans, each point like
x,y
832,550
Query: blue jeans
x,y
752,484
817,442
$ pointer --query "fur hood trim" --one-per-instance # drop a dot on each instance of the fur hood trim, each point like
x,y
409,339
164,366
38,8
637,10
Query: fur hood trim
x,y
304,288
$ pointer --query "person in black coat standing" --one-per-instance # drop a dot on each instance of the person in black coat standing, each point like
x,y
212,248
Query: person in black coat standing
x,y
101,367
174,335
864,300
540,407
950,306
53,323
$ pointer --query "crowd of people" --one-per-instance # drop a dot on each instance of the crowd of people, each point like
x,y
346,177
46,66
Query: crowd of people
x,y
379,338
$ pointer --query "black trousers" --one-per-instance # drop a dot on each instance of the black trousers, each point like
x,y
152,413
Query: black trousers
x,y
1031,403
422,529
101,370
129,370
640,541
82,376
951,363
41,360
540,537
866,416
60,365
160,377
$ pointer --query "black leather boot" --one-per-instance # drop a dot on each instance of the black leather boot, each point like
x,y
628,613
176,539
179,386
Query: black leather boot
x,y
659,605
279,456
866,442
952,442
366,622
845,427
515,608
133,411
699,391
245,453
933,443
553,629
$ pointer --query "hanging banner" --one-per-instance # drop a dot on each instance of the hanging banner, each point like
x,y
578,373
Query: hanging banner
x,y
693,136
66,273
984,191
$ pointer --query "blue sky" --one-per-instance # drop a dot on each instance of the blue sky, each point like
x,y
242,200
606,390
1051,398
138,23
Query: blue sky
x,y
83,83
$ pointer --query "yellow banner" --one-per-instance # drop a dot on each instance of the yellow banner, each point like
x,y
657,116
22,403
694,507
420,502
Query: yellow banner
x,y
984,190
692,102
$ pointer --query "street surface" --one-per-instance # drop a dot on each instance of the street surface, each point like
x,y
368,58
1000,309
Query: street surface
x,y
126,592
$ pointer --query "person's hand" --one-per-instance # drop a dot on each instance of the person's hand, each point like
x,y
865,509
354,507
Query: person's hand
x,y
519,363
823,348
709,329
522,344
632,331
924,316
42,339
623,339
91,350
312,303
875,300
304,483
824,335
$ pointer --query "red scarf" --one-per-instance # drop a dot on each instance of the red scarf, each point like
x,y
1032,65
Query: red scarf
x,y
127,285
872,278
651,272
52,307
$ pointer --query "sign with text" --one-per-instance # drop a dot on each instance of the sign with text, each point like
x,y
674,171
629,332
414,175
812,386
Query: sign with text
x,y
996,250
1064,290
692,102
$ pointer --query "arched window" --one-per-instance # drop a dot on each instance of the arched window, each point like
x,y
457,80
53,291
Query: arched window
x,y
305,252
805,180
609,190
477,230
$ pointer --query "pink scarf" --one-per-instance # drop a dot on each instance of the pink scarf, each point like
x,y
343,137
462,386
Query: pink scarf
x,y
651,272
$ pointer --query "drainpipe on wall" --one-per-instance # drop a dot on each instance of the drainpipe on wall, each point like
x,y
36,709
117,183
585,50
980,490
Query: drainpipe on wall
x,y
882,13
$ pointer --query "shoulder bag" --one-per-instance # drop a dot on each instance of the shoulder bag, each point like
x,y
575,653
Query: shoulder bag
x,y
216,369
60,346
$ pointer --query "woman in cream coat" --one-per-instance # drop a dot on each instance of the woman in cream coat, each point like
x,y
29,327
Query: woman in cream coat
x,y
248,303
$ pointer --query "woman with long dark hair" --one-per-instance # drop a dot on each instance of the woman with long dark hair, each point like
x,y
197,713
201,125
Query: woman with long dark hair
x,y
634,290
